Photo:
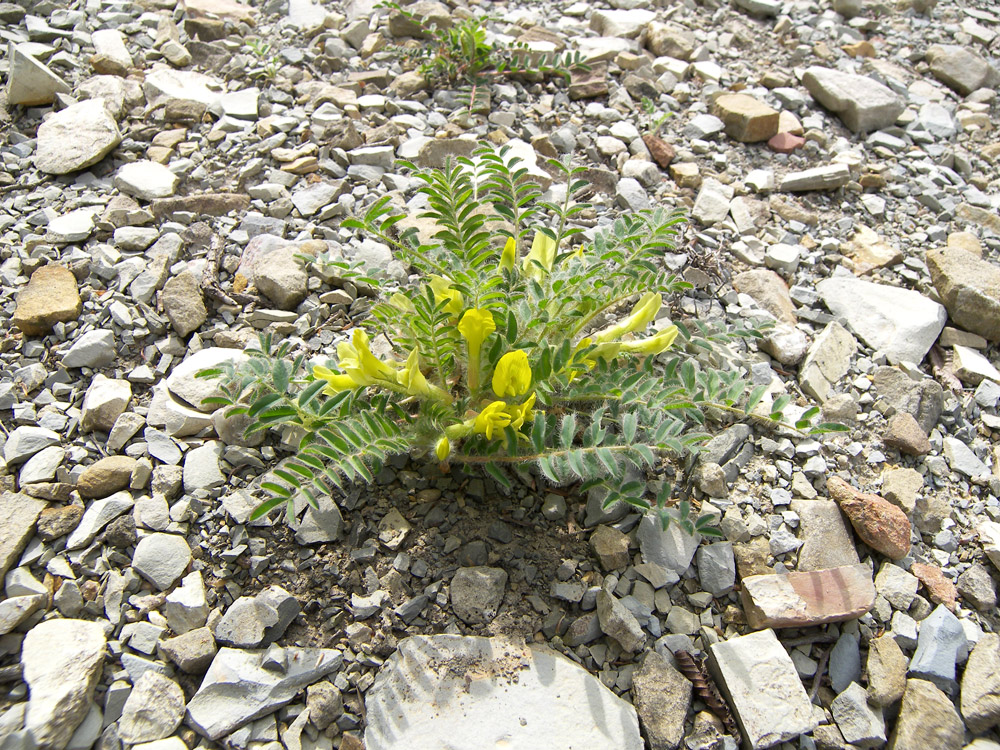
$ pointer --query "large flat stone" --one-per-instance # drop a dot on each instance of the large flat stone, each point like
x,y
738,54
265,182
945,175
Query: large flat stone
x,y
50,297
902,323
76,137
18,514
29,82
759,680
970,289
803,599
469,693
862,103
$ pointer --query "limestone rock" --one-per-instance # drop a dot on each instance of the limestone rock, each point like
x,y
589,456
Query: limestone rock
x,y
50,297
61,662
796,600
183,303
146,180
827,361
153,710
747,119
862,103
106,476
969,288
281,278
183,384
826,539
469,692
980,701
769,291
29,82
886,671
476,593
18,514
662,698
103,403
927,719
161,559
75,138
960,68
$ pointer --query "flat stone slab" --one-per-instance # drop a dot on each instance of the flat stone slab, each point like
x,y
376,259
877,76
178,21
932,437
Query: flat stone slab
x,y
76,137
759,680
862,103
814,597
470,693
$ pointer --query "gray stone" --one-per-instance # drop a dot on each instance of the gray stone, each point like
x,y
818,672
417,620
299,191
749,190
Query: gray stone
x,y
827,361
161,559
902,323
183,384
29,82
827,177
75,138
672,549
241,686
146,180
927,719
111,56
861,725
662,698
970,289
712,203
862,103
185,607
961,69
621,23
202,470
980,699
939,643
25,441
762,687
18,514
670,40
922,399
98,515
311,199
281,277
104,402
93,349
244,623
976,587
630,194
489,692
716,568
153,711
896,585
826,540
192,652
619,623
963,460
318,526
61,661
42,466
477,593
16,609
845,662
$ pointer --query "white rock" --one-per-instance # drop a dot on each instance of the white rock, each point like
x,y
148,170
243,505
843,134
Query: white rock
x,y
468,693
241,686
110,44
712,204
240,104
161,559
146,180
163,82
862,103
98,515
25,441
42,466
765,692
185,607
153,711
75,138
201,467
621,23
103,403
93,349
29,82
902,323
183,384
672,549
61,662
74,226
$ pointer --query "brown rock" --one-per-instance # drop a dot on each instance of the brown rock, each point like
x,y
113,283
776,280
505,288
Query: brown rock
x,y
662,698
662,152
751,557
785,143
927,719
183,303
939,588
747,120
770,292
886,671
969,288
611,547
106,476
905,434
590,84
50,297
207,204
56,522
879,523
797,600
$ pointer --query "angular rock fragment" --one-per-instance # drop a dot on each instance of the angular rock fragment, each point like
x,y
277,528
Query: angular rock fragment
x,y
960,68
747,120
796,600
477,593
940,640
759,680
879,523
469,692
861,102
927,719
828,177
970,289
153,711
29,82
75,138
980,700
50,297
18,514
662,698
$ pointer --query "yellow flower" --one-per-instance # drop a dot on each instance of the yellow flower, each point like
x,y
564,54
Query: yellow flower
x,y
508,255
443,292
401,302
476,324
643,312
337,381
653,344
512,376
356,359
494,418
543,250
443,449
522,414
411,378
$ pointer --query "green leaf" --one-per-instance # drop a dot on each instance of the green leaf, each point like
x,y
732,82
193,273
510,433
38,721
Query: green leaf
x,y
755,396
545,465
568,431
266,507
497,474
575,461
212,372
310,392
263,403
630,423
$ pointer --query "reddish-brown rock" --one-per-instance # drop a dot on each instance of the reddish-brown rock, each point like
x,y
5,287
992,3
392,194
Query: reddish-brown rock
x,y
939,588
906,435
785,143
880,524
797,600
661,151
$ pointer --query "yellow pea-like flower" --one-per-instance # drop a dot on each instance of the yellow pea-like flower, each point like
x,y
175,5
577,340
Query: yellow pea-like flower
x,y
512,376
543,250
476,324
356,359
522,414
509,254
336,381
492,419
443,291
443,449
652,345
640,317
411,378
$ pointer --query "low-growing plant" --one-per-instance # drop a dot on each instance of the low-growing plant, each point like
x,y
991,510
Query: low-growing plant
x,y
461,54
524,347
268,61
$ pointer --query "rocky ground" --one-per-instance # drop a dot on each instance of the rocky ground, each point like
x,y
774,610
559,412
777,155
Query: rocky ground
x,y
165,161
